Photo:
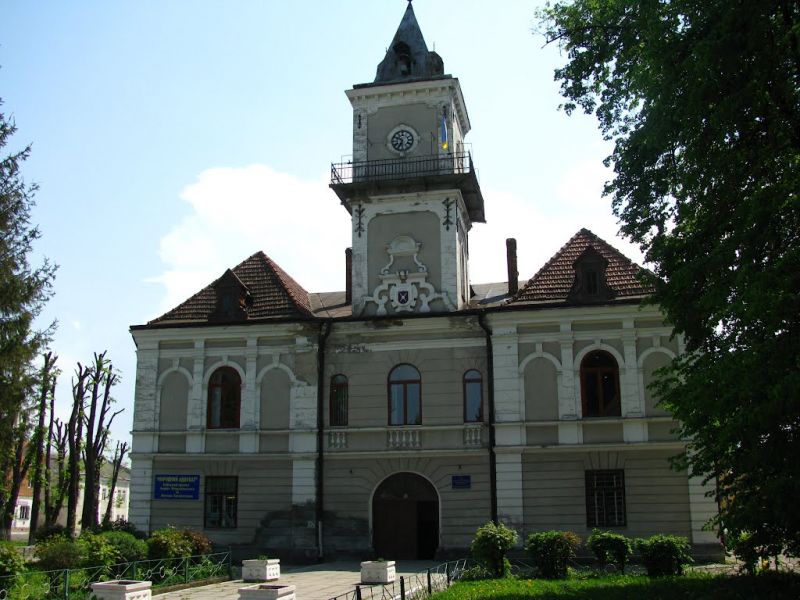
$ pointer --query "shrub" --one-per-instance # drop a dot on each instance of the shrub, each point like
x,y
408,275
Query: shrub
x,y
11,561
58,552
475,573
199,541
96,551
169,543
664,554
610,548
126,546
490,546
121,524
551,551
43,533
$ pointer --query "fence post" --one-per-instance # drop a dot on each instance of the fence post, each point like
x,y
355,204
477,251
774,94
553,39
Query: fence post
x,y
358,592
430,588
133,570
66,584
447,573
186,570
402,588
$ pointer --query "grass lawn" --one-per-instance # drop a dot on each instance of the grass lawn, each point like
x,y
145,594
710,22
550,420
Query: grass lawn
x,y
768,586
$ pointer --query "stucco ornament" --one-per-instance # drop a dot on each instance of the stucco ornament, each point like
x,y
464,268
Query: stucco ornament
x,y
404,281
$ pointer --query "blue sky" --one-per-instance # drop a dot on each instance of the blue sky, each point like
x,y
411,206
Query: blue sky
x,y
173,139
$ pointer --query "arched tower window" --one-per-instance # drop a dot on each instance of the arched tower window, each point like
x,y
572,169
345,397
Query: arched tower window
x,y
224,399
473,396
600,385
338,407
403,54
405,399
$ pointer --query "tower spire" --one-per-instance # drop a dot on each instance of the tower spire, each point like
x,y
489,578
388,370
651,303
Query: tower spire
x,y
408,56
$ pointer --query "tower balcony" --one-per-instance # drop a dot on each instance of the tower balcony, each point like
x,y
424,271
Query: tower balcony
x,y
357,181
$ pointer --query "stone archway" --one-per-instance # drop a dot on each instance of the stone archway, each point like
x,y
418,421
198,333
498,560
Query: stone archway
x,y
405,518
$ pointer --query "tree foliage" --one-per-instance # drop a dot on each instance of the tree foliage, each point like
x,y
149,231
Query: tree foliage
x,y
701,99
23,291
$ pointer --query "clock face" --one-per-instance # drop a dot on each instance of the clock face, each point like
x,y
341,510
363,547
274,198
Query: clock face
x,y
402,140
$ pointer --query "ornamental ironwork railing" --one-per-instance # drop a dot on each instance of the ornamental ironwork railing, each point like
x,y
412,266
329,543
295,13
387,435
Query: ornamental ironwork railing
x,y
75,584
410,587
394,169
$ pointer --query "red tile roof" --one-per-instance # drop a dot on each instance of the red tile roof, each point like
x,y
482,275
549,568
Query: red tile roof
x,y
553,282
274,295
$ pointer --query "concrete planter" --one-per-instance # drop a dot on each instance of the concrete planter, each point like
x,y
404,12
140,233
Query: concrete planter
x,y
122,589
267,592
261,569
373,571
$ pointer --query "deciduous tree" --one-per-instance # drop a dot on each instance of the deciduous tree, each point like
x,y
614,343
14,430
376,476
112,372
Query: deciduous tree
x,y
701,99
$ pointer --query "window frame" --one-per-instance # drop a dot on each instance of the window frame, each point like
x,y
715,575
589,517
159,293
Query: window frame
x,y
614,408
479,380
617,515
405,383
335,388
235,423
207,494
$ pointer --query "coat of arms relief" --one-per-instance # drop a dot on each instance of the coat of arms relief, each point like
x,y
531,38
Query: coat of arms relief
x,y
404,281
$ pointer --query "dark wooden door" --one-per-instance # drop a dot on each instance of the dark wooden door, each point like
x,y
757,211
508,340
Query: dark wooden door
x,y
405,518
395,527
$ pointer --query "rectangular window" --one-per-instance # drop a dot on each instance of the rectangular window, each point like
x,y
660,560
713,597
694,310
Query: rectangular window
x,y
221,501
605,498
24,512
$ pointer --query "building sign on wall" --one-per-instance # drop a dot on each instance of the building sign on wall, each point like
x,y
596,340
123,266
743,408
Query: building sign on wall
x,y
176,487
461,482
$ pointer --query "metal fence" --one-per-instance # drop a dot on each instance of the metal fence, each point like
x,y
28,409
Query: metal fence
x,y
75,584
393,169
410,587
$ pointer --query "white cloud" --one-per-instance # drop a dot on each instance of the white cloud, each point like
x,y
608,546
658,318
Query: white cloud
x,y
237,211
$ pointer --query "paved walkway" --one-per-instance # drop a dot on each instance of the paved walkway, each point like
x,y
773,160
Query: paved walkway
x,y
315,582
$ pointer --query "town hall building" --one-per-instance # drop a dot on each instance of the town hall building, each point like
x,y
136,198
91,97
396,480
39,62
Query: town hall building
x,y
396,417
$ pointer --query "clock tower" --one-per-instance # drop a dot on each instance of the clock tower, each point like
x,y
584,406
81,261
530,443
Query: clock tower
x,y
410,188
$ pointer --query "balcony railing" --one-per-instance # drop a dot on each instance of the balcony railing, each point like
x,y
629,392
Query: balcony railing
x,y
394,169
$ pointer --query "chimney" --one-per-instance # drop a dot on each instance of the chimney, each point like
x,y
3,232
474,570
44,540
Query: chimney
x,y
348,273
511,259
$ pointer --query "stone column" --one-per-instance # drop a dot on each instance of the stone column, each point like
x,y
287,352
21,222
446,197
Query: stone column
x,y
569,392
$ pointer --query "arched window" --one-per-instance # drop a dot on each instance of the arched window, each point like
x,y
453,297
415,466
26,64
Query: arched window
x,y
338,408
224,399
405,403
600,385
473,396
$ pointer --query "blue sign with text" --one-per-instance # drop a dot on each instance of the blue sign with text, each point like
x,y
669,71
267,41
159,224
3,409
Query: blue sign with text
x,y
461,482
176,487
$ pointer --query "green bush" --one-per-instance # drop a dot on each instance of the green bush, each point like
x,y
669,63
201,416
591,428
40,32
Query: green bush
x,y
199,541
610,548
96,551
490,546
127,547
58,552
475,573
664,554
42,533
551,551
11,561
121,524
169,543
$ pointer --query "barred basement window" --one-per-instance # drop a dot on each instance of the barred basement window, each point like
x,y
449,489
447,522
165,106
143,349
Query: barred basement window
x,y
338,408
605,498
221,502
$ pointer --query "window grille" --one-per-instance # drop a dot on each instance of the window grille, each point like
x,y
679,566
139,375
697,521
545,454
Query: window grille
x,y
221,500
605,498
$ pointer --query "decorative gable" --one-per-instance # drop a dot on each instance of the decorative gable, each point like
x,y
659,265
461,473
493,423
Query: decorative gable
x,y
233,298
590,283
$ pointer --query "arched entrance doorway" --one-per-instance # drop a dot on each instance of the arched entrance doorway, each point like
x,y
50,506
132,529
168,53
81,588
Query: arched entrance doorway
x,y
405,518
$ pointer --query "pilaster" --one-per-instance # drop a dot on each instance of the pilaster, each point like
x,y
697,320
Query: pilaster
x,y
141,491
702,508
509,402
195,411
248,434
568,392
630,398
510,507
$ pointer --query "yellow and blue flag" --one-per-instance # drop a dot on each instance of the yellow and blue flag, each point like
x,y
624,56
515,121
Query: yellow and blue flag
x,y
443,133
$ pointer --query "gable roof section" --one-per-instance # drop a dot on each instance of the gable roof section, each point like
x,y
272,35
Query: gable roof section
x,y
274,295
553,282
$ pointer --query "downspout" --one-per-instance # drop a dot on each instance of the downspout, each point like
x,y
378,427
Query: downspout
x,y
324,332
490,393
